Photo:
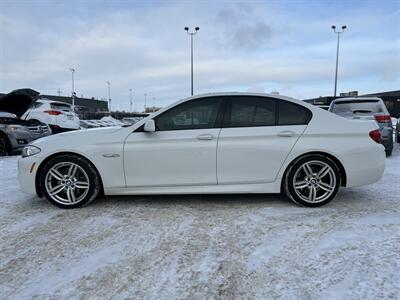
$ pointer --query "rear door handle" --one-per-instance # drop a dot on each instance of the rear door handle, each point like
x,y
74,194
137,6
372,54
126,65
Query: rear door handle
x,y
286,133
205,137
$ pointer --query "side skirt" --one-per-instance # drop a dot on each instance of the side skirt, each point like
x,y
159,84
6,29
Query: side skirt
x,y
256,188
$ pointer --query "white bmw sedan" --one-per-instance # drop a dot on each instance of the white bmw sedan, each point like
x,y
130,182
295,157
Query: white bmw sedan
x,y
209,144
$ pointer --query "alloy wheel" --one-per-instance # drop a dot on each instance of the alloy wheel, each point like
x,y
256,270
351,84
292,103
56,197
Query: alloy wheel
x,y
314,181
67,183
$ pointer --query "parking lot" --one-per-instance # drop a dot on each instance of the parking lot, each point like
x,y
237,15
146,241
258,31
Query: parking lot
x,y
225,246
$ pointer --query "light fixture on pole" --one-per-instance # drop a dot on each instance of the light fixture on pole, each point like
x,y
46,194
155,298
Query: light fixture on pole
x,y
73,89
131,101
196,29
145,102
109,94
338,32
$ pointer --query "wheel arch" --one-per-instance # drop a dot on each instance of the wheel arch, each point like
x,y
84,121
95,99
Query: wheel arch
x,y
343,176
7,139
44,162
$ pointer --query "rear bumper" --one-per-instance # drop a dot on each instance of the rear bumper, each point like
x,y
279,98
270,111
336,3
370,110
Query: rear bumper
x,y
388,143
365,167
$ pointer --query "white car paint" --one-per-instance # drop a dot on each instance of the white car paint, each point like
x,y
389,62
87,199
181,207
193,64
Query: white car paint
x,y
227,160
66,119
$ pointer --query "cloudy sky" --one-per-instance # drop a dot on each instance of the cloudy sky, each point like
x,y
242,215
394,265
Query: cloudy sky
x,y
263,46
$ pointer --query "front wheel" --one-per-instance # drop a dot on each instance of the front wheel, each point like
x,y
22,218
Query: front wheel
x,y
312,181
69,181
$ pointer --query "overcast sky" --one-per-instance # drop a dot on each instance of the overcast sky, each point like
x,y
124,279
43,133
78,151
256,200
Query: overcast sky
x,y
263,46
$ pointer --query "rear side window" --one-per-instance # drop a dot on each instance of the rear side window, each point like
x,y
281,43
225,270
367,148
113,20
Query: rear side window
x,y
292,114
357,107
251,112
60,106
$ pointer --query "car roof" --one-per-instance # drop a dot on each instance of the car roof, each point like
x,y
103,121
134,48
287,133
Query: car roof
x,y
242,94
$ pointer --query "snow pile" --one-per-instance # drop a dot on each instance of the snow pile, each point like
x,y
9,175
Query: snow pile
x,y
206,246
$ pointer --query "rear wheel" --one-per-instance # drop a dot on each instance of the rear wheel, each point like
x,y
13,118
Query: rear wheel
x,y
312,181
69,181
5,147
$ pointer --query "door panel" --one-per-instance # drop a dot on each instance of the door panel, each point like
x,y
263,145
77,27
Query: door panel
x,y
171,158
254,154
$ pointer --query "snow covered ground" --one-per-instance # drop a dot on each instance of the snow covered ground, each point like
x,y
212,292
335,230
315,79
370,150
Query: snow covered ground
x,y
192,247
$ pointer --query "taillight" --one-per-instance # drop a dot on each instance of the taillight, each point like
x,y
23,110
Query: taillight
x,y
383,118
375,135
53,112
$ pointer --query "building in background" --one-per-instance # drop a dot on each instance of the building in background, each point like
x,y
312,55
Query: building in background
x,y
391,99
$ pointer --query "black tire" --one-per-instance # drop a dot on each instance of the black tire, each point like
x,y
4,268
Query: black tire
x,y
93,178
389,152
296,169
5,146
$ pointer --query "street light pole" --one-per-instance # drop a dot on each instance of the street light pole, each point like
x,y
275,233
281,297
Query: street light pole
x,y
109,96
130,92
73,89
145,102
191,52
337,53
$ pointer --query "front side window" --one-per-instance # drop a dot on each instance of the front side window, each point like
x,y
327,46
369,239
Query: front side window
x,y
251,112
194,114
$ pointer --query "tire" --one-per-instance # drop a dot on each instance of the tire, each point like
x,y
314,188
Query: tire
x,y
69,181
304,186
5,146
389,152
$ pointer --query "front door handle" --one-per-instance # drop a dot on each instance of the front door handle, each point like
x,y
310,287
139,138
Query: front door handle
x,y
205,137
286,133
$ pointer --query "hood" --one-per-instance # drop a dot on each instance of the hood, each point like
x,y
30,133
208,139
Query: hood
x,y
18,101
76,138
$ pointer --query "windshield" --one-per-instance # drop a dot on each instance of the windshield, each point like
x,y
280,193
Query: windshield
x,y
356,107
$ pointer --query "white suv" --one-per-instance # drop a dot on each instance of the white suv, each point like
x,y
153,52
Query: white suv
x,y
58,115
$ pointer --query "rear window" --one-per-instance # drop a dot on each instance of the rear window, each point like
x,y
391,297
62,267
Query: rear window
x,y
357,107
60,106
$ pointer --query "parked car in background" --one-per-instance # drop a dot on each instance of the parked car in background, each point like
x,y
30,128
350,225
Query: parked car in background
x,y
14,132
213,143
367,108
325,107
132,120
58,115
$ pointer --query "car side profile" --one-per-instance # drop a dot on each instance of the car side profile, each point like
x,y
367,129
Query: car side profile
x,y
209,144
58,115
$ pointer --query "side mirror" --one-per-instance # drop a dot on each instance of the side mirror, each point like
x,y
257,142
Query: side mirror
x,y
149,126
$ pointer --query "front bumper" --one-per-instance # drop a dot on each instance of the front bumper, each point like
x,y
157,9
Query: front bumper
x,y
20,138
27,168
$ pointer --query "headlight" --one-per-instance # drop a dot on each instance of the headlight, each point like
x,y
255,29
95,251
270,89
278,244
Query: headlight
x,y
30,150
14,127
